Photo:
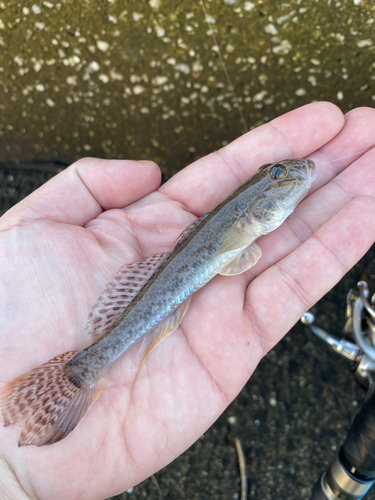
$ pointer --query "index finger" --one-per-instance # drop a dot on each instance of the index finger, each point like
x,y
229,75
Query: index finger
x,y
206,182
87,188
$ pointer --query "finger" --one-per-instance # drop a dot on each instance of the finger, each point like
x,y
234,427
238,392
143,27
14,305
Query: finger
x,y
205,183
356,137
294,284
89,186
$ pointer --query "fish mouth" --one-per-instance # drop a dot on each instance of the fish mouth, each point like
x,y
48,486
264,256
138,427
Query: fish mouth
x,y
310,169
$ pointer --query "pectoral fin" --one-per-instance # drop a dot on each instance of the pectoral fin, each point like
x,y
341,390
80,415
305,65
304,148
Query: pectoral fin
x,y
120,291
239,236
248,258
160,332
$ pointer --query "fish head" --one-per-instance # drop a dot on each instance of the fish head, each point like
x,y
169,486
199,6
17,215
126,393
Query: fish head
x,y
288,182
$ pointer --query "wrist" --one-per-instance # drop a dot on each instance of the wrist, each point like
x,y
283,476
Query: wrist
x,y
10,487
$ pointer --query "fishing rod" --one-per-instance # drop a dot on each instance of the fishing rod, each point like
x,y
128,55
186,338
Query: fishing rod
x,y
352,473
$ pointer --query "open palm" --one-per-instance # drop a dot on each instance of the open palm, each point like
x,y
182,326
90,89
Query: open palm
x,y
61,245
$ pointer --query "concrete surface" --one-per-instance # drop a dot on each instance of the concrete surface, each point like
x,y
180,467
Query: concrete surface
x,y
131,79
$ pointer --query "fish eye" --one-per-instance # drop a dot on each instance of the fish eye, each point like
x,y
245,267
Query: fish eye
x,y
278,171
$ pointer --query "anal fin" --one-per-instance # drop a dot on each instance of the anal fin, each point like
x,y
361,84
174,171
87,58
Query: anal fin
x,y
247,259
120,291
160,332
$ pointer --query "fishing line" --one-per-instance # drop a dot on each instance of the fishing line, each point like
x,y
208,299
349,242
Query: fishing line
x,y
211,32
343,157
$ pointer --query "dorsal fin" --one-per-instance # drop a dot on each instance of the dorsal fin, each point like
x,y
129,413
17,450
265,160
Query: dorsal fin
x,y
120,291
185,233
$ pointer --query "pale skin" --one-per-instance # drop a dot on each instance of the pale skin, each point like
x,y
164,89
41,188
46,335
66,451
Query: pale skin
x,y
61,245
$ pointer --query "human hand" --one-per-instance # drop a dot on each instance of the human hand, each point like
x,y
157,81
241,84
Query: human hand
x,y
61,245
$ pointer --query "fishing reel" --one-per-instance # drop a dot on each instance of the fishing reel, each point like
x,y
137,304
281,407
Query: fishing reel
x,y
352,473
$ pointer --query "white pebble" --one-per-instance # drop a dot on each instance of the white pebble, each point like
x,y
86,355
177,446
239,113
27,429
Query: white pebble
x,y
364,43
283,48
18,60
184,68
259,96
71,80
340,95
39,87
72,60
249,6
197,66
312,80
300,92
271,29
137,16
50,103
102,45
36,9
115,76
103,78
210,20
273,401
94,66
159,80
160,32
138,89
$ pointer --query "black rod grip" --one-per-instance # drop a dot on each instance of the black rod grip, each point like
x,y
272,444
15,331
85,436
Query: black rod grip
x,y
358,451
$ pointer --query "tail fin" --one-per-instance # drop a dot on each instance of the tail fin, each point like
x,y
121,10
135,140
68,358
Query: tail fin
x,y
47,402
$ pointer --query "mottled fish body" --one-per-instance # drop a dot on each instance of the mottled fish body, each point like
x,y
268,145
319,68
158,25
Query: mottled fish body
x,y
147,300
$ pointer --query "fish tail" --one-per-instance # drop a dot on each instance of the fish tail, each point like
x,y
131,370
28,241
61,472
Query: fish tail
x,y
48,401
